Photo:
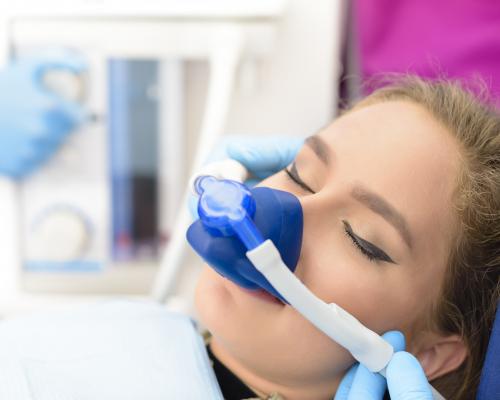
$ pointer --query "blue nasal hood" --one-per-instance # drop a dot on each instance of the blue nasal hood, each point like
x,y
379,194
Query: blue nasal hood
x,y
235,219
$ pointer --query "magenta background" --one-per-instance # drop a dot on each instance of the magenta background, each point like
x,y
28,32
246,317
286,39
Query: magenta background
x,y
451,38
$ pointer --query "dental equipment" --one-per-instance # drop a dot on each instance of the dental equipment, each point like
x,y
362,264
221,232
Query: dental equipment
x,y
228,209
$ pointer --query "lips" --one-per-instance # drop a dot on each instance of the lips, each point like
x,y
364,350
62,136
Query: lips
x,y
262,295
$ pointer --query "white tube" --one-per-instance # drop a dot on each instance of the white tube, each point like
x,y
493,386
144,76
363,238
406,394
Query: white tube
x,y
224,60
366,346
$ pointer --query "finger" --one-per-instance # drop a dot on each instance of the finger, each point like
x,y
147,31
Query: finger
x,y
406,378
22,168
74,112
62,117
396,339
193,207
56,58
346,383
219,151
251,182
263,155
367,385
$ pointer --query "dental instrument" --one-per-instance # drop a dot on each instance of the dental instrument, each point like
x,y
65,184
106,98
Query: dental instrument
x,y
228,209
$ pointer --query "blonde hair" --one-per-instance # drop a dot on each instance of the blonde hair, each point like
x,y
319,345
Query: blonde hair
x,y
471,288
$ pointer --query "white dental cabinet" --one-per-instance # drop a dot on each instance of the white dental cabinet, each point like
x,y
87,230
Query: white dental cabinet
x,y
165,81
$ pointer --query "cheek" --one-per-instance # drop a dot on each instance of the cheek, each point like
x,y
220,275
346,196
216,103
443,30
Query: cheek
x,y
379,301
381,296
209,296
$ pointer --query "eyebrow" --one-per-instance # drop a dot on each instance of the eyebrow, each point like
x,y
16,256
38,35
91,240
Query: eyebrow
x,y
320,148
380,206
372,200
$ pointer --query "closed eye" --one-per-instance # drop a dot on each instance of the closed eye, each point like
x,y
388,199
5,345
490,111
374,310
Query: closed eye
x,y
295,178
369,250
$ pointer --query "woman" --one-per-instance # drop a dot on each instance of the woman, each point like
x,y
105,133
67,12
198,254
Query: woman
x,y
401,201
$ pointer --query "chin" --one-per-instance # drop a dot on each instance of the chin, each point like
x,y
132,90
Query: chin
x,y
212,299
229,312
241,323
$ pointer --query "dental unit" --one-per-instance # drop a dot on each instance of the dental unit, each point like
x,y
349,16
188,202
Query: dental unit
x,y
254,239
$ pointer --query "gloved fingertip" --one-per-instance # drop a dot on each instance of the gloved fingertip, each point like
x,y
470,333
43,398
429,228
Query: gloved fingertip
x,y
22,170
406,378
251,182
57,58
296,143
232,147
403,360
193,207
66,116
367,385
345,384
239,152
396,339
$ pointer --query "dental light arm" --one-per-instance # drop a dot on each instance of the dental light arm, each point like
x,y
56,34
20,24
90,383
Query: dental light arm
x,y
226,208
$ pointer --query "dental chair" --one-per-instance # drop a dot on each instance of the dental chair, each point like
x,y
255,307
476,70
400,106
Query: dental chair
x,y
115,350
489,388
128,350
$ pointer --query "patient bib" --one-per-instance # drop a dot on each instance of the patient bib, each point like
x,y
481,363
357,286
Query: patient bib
x,y
120,350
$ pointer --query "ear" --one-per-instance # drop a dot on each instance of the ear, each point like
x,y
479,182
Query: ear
x,y
440,354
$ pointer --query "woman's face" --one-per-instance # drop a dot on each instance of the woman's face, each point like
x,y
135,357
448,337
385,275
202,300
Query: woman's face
x,y
376,188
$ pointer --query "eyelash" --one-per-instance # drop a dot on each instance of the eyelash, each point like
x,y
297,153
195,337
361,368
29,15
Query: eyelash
x,y
363,251
372,256
292,175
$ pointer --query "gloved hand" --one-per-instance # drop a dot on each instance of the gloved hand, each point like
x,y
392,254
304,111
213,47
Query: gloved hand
x,y
405,378
33,120
263,156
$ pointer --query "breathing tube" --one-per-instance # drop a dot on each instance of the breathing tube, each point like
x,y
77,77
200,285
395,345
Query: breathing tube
x,y
253,237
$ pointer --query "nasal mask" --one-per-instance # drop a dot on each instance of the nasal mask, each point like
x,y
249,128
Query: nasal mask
x,y
253,237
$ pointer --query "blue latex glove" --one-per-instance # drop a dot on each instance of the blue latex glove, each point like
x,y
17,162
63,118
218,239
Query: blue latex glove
x,y
33,120
405,378
263,156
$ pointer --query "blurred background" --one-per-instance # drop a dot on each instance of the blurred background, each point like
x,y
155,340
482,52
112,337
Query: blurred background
x,y
107,107
95,219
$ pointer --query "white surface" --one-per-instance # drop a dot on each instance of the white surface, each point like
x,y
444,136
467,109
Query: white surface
x,y
289,72
145,8
118,350
65,83
223,66
10,239
171,141
60,235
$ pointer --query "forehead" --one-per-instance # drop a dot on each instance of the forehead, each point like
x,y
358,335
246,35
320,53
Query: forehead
x,y
401,152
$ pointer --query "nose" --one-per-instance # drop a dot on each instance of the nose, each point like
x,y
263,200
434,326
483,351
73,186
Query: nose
x,y
316,210
312,209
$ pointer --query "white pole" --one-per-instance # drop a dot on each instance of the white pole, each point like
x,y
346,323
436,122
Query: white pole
x,y
223,64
